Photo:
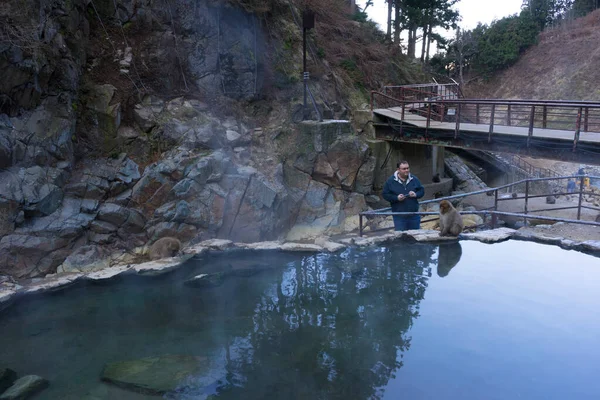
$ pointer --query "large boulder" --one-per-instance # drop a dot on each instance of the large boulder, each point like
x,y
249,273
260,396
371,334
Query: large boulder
x,y
43,136
86,259
36,190
25,256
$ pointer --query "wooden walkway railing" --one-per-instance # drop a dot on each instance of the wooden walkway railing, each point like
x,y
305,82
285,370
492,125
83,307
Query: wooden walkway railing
x,y
580,116
548,129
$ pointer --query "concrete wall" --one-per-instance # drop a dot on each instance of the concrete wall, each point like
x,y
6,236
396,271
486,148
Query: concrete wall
x,y
425,161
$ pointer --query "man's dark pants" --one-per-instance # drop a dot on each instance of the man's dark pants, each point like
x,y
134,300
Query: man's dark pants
x,y
402,223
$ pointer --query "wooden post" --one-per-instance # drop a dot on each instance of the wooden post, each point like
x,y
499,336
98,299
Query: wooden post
x,y
492,117
531,117
585,119
577,128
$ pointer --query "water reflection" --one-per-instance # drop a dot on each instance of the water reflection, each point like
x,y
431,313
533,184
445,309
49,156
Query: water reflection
x,y
448,256
322,326
330,326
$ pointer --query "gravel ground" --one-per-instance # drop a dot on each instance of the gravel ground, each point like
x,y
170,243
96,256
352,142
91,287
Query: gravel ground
x,y
576,232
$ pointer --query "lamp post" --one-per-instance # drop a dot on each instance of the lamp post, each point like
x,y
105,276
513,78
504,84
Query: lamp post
x,y
308,22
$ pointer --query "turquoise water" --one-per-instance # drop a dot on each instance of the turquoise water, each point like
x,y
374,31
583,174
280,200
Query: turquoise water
x,y
514,320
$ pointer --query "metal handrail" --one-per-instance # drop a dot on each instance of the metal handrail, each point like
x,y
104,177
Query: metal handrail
x,y
530,168
494,211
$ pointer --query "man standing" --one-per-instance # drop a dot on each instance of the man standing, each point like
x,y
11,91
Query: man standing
x,y
402,191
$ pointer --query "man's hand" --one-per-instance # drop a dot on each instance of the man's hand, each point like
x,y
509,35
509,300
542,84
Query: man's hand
x,y
412,194
401,197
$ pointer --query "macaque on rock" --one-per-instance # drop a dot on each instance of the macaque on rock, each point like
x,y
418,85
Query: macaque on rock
x,y
164,247
451,222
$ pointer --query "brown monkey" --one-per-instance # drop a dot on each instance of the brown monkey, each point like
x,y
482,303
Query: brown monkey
x,y
451,223
164,247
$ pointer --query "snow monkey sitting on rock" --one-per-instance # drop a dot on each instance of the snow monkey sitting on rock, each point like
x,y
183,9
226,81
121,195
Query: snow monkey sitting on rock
x,y
164,247
451,222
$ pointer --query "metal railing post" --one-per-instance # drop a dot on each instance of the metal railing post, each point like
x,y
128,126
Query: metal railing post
x,y
585,119
457,127
428,119
477,113
492,117
580,197
494,216
360,225
508,116
526,200
531,118
577,128
544,116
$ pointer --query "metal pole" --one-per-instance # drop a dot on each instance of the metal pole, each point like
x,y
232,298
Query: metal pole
x,y
492,117
428,120
457,127
360,225
580,197
577,129
544,117
304,75
531,118
494,216
526,200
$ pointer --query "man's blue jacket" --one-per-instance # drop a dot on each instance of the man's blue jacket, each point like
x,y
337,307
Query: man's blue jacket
x,y
394,186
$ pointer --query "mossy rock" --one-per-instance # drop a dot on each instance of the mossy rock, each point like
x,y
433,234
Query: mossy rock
x,y
25,387
154,375
7,378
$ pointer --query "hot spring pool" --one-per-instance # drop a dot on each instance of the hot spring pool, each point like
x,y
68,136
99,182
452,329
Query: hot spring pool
x,y
413,321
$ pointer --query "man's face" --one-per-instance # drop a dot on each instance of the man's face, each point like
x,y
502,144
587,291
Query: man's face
x,y
403,171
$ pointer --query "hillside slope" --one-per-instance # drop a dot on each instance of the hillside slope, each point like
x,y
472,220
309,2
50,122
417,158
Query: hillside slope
x,y
562,66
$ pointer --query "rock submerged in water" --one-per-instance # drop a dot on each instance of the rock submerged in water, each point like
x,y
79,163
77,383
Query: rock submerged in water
x,y
25,387
240,269
7,378
154,375
205,280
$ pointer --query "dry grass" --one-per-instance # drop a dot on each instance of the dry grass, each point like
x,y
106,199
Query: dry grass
x,y
562,66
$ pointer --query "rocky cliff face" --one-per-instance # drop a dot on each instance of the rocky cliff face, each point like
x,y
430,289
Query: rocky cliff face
x,y
110,137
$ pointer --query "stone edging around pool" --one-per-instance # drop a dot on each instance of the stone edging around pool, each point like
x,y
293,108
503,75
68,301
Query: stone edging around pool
x,y
60,281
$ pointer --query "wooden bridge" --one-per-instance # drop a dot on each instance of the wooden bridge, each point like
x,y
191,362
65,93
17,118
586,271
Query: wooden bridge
x,y
434,114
